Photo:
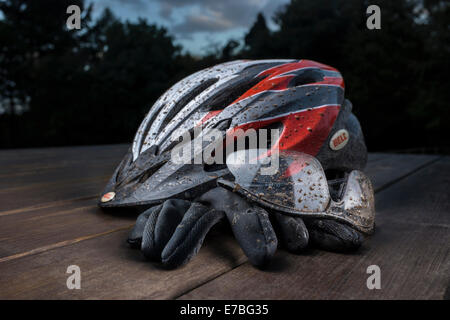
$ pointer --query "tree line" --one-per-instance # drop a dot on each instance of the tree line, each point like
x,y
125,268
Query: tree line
x,y
94,85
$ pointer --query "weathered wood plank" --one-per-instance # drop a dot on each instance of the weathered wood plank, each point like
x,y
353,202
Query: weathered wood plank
x,y
59,165
111,270
410,246
26,196
61,172
56,164
40,176
412,260
43,227
27,158
55,229
384,169
423,197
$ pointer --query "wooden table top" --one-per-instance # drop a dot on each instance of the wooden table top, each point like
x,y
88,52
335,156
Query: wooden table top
x,y
49,220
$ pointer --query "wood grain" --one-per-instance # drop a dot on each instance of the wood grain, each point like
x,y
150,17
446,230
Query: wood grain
x,y
423,197
42,227
29,177
111,270
31,195
49,220
27,158
410,269
384,169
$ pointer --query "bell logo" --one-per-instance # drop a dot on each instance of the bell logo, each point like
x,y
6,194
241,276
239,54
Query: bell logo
x,y
339,139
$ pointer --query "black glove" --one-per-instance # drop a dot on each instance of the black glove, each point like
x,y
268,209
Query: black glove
x,y
174,231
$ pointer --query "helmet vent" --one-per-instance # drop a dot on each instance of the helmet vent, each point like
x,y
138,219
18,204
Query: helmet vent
x,y
140,177
151,171
232,93
307,76
336,182
205,84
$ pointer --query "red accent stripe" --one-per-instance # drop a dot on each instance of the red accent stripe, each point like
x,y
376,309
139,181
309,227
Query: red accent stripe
x,y
278,81
295,135
208,116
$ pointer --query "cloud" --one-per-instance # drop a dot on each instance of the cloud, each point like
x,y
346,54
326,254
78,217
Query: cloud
x,y
137,5
214,16
166,10
196,21
211,21
123,8
184,16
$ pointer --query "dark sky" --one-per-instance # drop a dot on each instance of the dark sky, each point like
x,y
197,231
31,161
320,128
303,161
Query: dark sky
x,y
198,25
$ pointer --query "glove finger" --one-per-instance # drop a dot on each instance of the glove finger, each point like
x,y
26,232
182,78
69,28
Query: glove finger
x,y
334,236
254,233
160,226
251,226
224,200
294,234
189,235
135,236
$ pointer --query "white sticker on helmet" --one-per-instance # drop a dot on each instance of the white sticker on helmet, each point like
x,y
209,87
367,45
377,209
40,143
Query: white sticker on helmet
x,y
339,139
108,196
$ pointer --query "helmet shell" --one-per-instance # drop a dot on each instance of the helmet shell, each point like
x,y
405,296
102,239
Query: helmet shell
x,y
305,99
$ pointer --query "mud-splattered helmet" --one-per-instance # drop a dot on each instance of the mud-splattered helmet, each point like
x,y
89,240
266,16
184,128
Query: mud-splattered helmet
x,y
302,98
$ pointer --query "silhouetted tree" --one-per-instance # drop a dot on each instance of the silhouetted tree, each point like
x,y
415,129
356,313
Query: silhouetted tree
x,y
81,87
227,51
394,76
258,39
33,42
430,109
60,87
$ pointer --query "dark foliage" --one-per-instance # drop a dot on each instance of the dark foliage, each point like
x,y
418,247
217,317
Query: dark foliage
x,y
93,86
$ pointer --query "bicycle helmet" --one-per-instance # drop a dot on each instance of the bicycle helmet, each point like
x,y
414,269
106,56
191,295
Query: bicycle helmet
x,y
302,98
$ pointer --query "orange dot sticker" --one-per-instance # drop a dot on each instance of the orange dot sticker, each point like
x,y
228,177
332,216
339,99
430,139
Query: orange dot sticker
x,y
339,139
108,196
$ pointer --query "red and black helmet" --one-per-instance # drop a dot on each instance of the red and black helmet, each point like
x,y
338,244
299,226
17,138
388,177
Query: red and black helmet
x,y
302,98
